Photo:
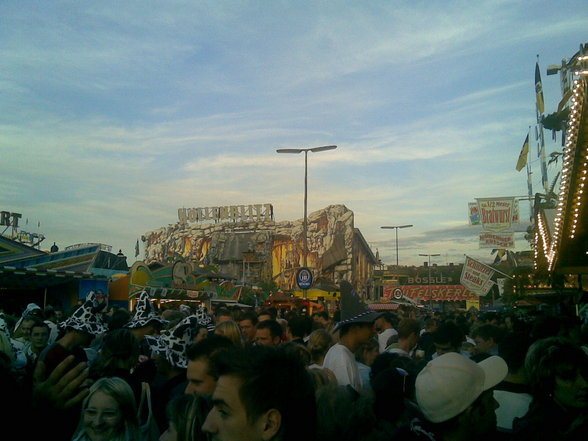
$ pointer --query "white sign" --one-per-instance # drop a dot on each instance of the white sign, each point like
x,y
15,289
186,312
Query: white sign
x,y
497,240
496,214
476,276
257,212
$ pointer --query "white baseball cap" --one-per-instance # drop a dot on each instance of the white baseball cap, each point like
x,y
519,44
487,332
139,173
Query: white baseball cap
x,y
448,384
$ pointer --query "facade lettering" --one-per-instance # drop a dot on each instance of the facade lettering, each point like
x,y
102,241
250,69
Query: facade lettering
x,y
234,213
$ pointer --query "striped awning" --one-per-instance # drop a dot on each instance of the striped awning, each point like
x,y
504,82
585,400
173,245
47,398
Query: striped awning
x,y
384,306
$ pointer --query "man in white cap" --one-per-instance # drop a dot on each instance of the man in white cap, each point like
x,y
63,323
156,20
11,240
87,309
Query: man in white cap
x,y
454,395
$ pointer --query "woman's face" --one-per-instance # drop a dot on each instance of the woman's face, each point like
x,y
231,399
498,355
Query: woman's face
x,y
171,434
102,417
571,391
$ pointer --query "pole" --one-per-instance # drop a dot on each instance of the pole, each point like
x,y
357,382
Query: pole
x,y
305,223
429,286
396,247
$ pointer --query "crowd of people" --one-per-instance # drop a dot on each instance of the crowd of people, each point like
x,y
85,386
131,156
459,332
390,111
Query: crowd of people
x,y
182,373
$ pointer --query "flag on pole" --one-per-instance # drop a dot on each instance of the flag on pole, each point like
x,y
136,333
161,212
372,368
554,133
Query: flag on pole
x,y
523,155
137,248
539,90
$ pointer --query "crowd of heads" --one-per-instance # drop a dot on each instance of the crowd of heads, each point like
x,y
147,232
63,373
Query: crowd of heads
x,y
186,373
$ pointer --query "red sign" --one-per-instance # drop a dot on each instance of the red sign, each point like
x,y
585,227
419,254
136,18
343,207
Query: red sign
x,y
448,293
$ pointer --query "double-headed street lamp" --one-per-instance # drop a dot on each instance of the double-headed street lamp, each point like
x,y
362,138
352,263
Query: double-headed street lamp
x,y
396,227
304,225
429,279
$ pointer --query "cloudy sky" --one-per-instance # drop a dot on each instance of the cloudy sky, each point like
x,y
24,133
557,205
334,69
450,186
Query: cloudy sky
x,y
115,114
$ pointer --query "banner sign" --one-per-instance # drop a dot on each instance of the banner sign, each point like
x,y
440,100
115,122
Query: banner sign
x,y
448,293
473,213
497,240
473,304
500,283
475,276
496,214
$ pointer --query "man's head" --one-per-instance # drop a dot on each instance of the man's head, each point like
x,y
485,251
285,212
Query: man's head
x,y
200,372
24,330
448,338
451,386
359,333
266,314
322,318
487,338
299,326
39,335
383,322
409,330
248,323
268,333
262,394
222,315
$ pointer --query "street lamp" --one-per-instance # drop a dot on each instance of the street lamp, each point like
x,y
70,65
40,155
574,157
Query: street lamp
x,y
304,225
396,227
429,279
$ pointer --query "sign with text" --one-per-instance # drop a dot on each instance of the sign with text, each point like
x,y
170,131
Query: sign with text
x,y
473,213
9,219
235,213
475,276
496,214
497,240
448,293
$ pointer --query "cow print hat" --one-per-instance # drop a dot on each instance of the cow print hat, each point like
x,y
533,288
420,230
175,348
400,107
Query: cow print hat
x,y
172,345
204,319
144,313
86,318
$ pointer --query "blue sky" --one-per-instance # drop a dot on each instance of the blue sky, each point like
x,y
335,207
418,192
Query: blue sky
x,y
115,114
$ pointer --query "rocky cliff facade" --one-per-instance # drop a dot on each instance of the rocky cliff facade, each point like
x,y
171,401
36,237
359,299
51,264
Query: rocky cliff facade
x,y
257,251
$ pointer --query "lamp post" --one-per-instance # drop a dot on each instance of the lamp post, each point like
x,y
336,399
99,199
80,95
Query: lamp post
x,y
304,225
396,227
429,279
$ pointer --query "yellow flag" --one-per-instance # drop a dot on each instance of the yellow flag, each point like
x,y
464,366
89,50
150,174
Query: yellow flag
x,y
523,155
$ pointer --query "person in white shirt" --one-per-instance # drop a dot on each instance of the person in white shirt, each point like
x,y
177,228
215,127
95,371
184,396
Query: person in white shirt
x,y
355,329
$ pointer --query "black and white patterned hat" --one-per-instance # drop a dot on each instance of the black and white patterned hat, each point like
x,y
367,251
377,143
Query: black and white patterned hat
x,y
353,309
144,313
204,319
87,318
4,326
172,345
32,309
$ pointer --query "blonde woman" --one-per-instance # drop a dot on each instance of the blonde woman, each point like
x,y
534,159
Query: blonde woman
x,y
109,413
231,330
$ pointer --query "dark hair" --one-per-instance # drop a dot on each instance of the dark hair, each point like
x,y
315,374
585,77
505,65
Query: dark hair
x,y
488,331
274,327
224,312
208,347
120,349
513,349
269,312
389,318
188,412
322,314
119,318
553,357
273,379
407,327
300,325
449,332
39,324
248,315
